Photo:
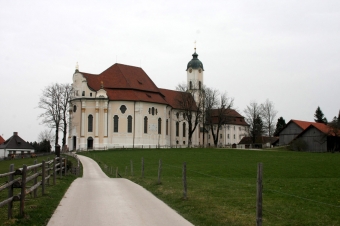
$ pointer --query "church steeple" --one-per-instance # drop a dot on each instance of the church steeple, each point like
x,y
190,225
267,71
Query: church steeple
x,y
195,72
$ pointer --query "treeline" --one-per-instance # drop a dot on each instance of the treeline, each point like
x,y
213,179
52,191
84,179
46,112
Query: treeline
x,y
43,146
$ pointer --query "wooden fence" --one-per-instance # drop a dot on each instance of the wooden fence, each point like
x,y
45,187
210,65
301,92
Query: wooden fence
x,y
19,178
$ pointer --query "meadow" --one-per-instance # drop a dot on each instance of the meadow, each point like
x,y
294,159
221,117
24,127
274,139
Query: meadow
x,y
37,210
298,188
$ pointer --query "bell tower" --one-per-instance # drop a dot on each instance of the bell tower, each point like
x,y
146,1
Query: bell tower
x,y
195,73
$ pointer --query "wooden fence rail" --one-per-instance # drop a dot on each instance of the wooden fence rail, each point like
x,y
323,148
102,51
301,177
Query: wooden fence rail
x,y
44,171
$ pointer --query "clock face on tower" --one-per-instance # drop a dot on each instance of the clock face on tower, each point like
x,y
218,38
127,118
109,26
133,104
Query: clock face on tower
x,y
190,70
199,70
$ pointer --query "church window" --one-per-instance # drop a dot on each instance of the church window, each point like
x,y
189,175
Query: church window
x,y
83,93
90,94
74,108
234,136
156,111
159,125
122,109
190,85
153,110
199,85
129,129
166,126
145,124
177,129
177,115
228,136
90,123
184,129
149,111
115,123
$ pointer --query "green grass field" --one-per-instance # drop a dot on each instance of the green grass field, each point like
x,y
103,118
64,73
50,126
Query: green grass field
x,y
37,210
298,188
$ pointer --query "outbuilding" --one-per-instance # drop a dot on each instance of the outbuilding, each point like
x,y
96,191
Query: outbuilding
x,y
15,145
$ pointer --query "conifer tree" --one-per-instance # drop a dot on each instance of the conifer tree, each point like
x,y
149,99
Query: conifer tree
x,y
319,116
279,125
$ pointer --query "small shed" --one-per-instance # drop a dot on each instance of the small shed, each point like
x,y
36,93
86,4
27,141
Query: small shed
x,y
15,145
317,138
260,142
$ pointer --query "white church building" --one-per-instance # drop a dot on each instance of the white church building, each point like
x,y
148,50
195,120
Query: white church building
x,y
122,107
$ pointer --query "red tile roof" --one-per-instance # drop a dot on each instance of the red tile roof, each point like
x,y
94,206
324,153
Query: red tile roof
x,y
123,82
303,124
258,140
234,117
2,140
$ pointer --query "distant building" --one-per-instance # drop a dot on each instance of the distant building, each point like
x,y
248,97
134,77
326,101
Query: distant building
x,y
231,132
2,140
260,142
292,129
317,137
15,145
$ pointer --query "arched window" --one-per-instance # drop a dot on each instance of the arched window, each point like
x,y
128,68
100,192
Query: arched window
x,y
90,123
153,110
166,127
74,108
177,129
145,124
129,129
115,123
159,126
184,129
190,85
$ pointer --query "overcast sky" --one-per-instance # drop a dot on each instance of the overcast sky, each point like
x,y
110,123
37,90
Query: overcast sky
x,y
284,51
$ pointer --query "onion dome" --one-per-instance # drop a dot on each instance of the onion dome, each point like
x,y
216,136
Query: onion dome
x,y
195,63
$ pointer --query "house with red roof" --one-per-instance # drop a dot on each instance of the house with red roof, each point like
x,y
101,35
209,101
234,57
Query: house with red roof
x,y
292,129
2,140
317,137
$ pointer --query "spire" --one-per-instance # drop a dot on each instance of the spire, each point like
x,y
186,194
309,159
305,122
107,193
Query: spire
x,y
77,67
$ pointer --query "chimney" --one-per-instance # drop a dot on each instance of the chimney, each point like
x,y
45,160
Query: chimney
x,y
15,133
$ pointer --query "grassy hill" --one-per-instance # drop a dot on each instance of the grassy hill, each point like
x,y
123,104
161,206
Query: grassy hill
x,y
299,188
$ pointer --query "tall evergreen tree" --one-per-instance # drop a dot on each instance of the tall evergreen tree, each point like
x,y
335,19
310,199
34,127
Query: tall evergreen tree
x,y
319,116
279,125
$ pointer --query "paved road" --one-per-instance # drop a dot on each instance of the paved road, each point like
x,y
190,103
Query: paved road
x,y
99,200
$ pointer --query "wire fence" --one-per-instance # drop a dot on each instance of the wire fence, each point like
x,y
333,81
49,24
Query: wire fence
x,y
284,207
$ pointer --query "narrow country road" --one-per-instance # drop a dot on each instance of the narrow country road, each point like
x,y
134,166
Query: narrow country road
x,y
96,199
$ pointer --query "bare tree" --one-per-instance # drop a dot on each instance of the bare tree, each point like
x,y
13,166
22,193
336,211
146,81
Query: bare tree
x,y
253,118
65,98
268,114
45,135
50,102
190,102
217,107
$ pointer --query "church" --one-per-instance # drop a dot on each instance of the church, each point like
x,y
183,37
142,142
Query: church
x,y
122,107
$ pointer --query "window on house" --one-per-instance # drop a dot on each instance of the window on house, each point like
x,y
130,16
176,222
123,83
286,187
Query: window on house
x,y
83,93
129,129
166,127
90,123
145,124
177,129
184,125
115,123
159,126
90,94
190,85
228,136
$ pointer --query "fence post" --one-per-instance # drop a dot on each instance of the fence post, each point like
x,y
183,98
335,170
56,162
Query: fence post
x,y
60,167
43,170
23,190
35,180
10,192
48,171
142,167
185,180
131,167
54,170
159,171
259,195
